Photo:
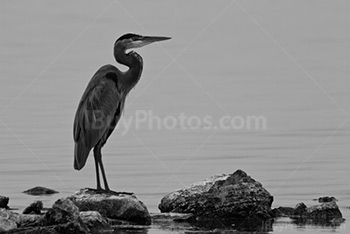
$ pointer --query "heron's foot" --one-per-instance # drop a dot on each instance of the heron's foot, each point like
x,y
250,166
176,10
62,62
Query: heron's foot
x,y
119,193
111,192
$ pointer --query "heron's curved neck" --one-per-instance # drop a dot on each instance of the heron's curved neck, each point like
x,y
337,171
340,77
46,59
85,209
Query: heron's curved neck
x,y
134,62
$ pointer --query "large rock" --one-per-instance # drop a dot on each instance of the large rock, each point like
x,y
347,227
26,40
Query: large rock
x,y
112,205
222,196
39,190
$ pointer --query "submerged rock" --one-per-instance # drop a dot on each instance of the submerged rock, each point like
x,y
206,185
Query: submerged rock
x,y
222,196
3,202
40,191
112,205
34,208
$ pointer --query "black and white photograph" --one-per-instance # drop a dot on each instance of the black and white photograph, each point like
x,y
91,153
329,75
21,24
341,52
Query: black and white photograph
x,y
174,117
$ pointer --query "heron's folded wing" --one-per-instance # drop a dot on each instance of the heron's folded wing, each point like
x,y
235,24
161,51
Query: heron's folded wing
x,y
96,111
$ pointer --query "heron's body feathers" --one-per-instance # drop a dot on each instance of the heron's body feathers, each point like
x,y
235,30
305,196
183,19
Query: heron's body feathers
x,y
97,115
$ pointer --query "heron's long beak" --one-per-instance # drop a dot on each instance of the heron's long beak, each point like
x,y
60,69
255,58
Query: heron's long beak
x,y
154,39
148,40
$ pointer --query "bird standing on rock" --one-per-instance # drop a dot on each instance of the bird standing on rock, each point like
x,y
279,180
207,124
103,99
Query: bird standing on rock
x,y
102,103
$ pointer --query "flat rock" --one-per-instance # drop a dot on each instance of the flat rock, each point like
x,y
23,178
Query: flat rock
x,y
40,191
112,205
3,202
235,195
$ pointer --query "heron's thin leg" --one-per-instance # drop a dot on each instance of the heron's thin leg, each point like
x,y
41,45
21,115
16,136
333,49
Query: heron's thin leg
x,y
98,152
97,155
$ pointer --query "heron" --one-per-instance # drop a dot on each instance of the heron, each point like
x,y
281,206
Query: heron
x,y
102,103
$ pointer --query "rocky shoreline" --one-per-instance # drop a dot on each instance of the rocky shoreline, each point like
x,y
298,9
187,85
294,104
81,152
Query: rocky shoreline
x,y
222,202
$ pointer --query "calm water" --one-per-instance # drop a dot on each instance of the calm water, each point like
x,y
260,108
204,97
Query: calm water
x,y
287,63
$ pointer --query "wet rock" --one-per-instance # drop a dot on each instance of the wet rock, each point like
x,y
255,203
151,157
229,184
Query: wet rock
x,y
300,210
62,211
326,199
327,211
324,211
112,205
63,217
3,202
40,191
94,221
283,211
222,196
34,208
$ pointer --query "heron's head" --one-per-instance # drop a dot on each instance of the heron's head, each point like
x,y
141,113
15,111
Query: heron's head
x,y
130,41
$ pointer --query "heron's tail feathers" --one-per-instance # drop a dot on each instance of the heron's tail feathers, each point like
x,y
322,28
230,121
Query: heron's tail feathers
x,y
81,153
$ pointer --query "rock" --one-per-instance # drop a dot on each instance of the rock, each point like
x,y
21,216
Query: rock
x,y
66,228
6,224
63,217
283,211
3,202
326,212
17,219
300,210
112,205
94,221
40,191
28,219
63,211
326,199
222,196
8,220
34,208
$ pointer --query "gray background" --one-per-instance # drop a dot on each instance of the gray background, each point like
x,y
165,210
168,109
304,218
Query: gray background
x,y
285,60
